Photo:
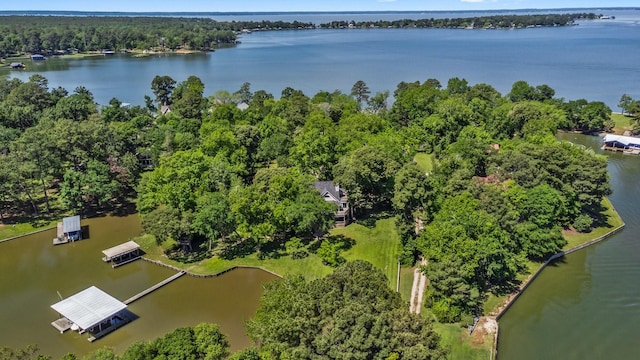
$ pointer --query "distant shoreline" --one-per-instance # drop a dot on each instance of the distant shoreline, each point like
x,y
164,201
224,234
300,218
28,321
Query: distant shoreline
x,y
249,13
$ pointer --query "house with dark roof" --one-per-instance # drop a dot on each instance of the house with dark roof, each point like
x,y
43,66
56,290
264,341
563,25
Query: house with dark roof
x,y
333,193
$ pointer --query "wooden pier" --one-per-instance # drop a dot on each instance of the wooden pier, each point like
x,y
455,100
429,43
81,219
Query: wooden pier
x,y
63,324
60,238
153,288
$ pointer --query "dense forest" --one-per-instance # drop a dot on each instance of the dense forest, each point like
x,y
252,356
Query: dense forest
x,y
232,173
506,21
61,34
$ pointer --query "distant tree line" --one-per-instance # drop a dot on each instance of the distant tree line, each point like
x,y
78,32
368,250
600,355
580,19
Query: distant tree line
x,y
505,21
51,34
56,34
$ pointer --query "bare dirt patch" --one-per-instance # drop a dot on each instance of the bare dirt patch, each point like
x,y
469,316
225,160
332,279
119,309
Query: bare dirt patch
x,y
484,330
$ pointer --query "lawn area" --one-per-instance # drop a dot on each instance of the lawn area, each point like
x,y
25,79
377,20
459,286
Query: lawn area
x,y
460,343
622,123
424,161
8,230
406,282
379,245
613,221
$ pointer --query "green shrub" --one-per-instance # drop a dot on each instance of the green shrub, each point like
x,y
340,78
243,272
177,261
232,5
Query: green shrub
x,y
296,249
330,253
583,223
445,312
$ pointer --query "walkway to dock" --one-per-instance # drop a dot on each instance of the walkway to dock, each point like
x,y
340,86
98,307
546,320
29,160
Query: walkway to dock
x,y
153,288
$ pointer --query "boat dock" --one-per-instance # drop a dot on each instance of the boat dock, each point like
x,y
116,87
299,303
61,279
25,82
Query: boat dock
x,y
60,238
68,230
154,288
63,324
122,254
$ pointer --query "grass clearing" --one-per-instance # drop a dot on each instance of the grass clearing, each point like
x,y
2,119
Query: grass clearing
x,y
622,123
613,220
379,245
12,230
406,283
424,161
461,344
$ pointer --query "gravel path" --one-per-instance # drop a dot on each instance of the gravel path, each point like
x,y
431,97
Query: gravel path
x,y
417,288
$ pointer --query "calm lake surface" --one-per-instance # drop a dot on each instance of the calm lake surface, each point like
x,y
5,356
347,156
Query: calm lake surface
x,y
587,305
597,60
33,271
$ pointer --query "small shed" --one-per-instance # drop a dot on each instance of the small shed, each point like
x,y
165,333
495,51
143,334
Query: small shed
x,y
71,228
91,310
16,65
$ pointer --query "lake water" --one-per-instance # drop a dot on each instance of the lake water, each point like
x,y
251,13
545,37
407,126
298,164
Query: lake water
x,y
597,60
587,305
33,271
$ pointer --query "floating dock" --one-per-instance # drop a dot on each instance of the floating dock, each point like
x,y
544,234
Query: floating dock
x,y
153,288
63,324
60,238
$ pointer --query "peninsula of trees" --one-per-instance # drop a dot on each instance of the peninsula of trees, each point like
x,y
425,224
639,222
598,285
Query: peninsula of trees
x,y
506,21
62,34
231,174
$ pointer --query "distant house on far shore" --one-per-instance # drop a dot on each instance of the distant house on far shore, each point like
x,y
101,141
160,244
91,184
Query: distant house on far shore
x,y
333,193
37,57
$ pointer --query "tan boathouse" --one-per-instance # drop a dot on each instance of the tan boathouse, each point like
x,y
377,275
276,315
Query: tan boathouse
x,y
122,254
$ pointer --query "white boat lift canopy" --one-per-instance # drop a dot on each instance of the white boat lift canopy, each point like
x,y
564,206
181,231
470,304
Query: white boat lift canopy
x,y
89,307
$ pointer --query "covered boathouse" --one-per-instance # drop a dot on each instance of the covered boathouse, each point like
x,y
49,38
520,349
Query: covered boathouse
x,y
91,310
626,144
69,229
122,254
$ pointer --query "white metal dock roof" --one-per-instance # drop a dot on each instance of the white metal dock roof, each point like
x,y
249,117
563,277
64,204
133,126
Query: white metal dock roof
x,y
89,307
71,224
626,140
121,249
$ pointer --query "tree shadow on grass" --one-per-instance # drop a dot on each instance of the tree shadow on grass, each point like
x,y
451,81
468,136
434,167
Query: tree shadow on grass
x,y
369,220
346,243
233,248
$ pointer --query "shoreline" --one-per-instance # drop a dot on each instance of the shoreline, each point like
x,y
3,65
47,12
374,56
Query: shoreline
x,y
495,315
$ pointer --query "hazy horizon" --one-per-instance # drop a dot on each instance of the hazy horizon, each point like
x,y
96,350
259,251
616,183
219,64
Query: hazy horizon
x,y
278,6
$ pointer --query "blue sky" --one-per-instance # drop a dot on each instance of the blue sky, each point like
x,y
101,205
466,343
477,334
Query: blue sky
x,y
304,5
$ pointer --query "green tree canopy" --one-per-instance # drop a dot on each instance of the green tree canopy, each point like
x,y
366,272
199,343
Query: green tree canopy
x,y
349,314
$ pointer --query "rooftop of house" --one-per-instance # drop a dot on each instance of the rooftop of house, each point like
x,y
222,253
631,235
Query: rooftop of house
x,y
328,187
